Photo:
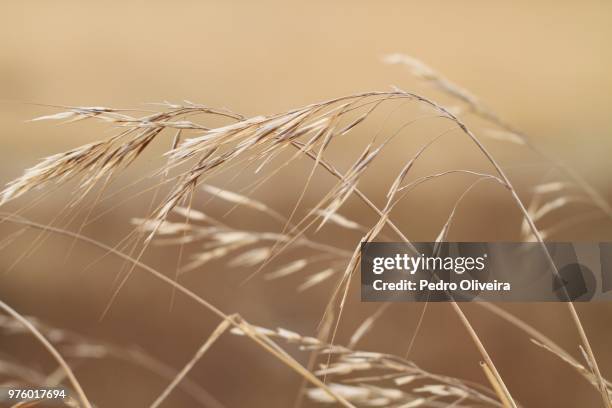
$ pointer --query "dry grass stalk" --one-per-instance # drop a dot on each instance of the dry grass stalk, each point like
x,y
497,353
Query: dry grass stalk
x,y
262,340
223,326
247,248
309,130
587,373
426,388
496,386
78,348
508,132
273,132
52,350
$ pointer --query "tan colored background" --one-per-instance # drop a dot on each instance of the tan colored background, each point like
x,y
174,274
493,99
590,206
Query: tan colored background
x,y
544,65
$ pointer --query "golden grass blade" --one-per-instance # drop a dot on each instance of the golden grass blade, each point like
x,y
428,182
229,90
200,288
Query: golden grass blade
x,y
287,269
221,328
315,279
367,325
496,386
52,350
262,341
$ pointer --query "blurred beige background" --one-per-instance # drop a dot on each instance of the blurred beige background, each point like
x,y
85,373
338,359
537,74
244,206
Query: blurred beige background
x,y
545,66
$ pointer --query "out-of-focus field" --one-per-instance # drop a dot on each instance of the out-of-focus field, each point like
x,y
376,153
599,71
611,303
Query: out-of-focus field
x,y
545,66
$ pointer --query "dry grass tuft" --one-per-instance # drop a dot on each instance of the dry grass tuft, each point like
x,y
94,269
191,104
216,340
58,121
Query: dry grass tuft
x,y
268,145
